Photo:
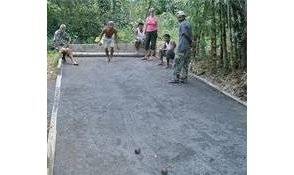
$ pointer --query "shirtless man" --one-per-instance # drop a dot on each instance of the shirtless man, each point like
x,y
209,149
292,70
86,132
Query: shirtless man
x,y
110,38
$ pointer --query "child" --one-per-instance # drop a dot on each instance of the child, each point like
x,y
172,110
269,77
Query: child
x,y
140,36
170,53
167,50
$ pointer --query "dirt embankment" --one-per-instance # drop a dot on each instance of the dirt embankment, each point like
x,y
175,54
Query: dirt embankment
x,y
234,83
52,61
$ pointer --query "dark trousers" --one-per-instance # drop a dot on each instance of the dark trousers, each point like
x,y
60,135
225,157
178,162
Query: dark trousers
x,y
150,42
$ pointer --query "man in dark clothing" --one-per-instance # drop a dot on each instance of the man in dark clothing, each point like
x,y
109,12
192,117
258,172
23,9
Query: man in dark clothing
x,y
183,51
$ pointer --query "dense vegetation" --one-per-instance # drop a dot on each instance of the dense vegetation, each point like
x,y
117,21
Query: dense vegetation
x,y
219,26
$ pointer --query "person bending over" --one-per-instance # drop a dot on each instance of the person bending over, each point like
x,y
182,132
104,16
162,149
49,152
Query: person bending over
x,y
61,42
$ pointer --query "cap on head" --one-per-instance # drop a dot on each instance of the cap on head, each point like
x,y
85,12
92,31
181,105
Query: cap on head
x,y
110,23
62,26
180,13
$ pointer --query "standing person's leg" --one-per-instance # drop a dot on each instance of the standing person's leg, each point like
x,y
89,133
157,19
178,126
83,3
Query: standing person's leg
x,y
111,52
107,54
167,62
186,67
169,56
106,46
153,43
173,59
147,45
142,43
137,46
111,47
161,55
179,62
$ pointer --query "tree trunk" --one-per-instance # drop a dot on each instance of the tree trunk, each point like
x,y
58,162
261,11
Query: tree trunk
x,y
213,40
221,37
235,37
234,62
225,62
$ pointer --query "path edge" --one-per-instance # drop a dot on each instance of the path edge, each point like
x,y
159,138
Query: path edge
x,y
218,88
51,141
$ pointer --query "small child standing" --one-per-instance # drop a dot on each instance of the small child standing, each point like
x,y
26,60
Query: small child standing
x,y
140,36
170,53
167,50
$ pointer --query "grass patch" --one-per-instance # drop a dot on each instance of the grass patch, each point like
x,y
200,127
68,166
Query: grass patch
x,y
52,62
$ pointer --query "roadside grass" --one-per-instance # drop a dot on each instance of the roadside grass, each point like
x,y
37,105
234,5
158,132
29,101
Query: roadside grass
x,y
234,83
52,61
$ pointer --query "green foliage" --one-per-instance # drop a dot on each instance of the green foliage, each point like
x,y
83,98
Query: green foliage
x,y
168,24
50,43
219,26
84,19
53,57
126,35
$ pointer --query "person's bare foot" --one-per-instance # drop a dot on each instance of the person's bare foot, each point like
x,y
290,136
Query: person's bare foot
x,y
168,66
152,57
75,63
174,81
184,80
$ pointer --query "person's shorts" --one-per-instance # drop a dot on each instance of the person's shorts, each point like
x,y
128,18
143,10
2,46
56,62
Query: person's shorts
x,y
108,42
170,55
140,40
61,49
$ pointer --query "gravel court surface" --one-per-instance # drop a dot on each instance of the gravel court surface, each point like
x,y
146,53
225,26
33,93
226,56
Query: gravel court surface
x,y
107,110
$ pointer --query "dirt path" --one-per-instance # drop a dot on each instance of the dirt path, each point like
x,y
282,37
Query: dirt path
x,y
108,110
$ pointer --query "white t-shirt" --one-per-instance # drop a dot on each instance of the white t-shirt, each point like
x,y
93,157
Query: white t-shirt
x,y
140,35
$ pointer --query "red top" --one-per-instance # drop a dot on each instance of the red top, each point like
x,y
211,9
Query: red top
x,y
151,24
